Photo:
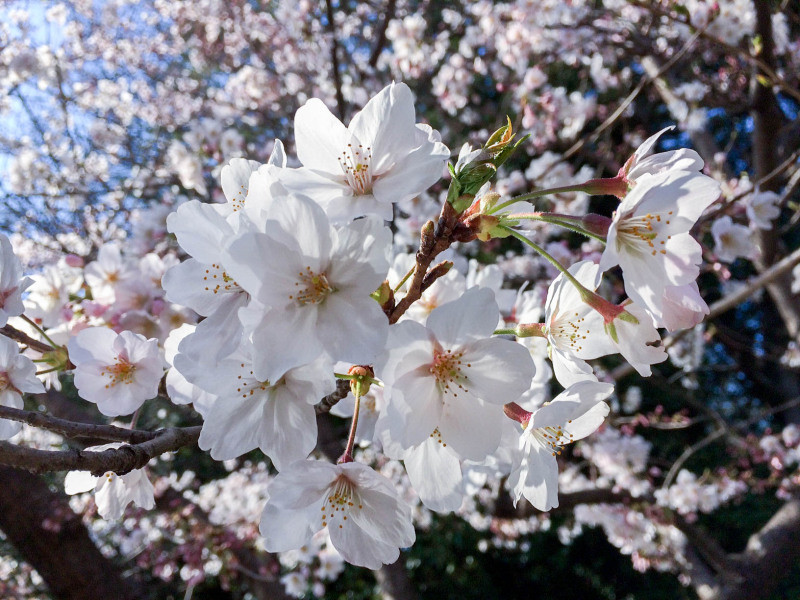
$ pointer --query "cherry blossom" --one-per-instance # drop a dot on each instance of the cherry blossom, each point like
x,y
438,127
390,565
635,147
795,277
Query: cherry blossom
x,y
314,292
367,521
381,158
17,376
248,413
118,372
762,208
12,283
112,492
451,376
649,235
572,415
732,240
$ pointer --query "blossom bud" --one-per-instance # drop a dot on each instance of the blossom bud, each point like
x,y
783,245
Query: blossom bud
x,y
516,413
58,359
362,378
614,186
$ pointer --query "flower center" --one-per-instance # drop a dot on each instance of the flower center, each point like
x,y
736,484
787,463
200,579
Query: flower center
x,y
569,333
553,438
247,385
446,368
643,233
355,162
218,281
313,288
342,498
5,382
121,372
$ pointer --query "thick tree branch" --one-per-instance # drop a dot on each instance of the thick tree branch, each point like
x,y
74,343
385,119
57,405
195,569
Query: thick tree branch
x,y
71,429
53,539
120,460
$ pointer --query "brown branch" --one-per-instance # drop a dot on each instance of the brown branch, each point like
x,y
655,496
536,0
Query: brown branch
x,y
648,78
433,241
770,555
380,42
71,429
337,77
120,460
23,338
708,548
328,402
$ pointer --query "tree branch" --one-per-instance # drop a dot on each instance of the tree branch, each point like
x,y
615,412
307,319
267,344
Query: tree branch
x,y
71,429
337,77
120,460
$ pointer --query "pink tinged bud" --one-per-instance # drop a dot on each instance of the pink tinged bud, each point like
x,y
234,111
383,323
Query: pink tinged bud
x,y
73,260
516,413
615,186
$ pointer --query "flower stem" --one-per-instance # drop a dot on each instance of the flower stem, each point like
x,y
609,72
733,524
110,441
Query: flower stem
x,y
505,332
548,257
40,330
555,219
351,439
404,279
539,193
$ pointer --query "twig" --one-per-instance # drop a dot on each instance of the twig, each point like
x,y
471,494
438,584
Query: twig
x,y
24,338
328,402
432,243
630,98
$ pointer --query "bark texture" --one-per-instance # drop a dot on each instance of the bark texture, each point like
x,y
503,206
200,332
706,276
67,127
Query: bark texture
x,y
52,538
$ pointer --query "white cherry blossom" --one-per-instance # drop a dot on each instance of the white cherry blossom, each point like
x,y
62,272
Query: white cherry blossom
x,y
249,413
112,492
649,235
572,415
732,240
118,372
452,376
17,376
381,158
762,208
12,283
313,293
368,523
577,332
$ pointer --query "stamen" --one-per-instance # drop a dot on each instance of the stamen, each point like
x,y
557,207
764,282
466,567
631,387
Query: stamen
x,y
356,162
313,288
342,498
218,281
121,372
446,368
